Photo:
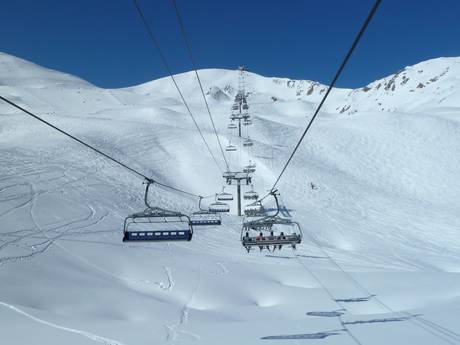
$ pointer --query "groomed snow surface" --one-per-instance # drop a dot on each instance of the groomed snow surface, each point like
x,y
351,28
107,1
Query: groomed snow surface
x,y
386,210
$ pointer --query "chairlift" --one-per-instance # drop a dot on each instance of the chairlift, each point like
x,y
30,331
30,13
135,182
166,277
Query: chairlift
x,y
245,106
223,196
247,122
204,217
250,168
156,224
255,209
219,207
232,126
230,148
271,232
251,195
247,142
235,107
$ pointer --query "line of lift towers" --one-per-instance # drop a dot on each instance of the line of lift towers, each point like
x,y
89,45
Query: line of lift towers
x,y
240,118
259,229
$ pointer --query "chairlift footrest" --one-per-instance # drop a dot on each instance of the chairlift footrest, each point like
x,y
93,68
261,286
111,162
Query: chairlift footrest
x,y
155,236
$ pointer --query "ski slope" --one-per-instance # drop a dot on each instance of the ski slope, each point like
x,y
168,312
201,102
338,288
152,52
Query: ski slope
x,y
383,221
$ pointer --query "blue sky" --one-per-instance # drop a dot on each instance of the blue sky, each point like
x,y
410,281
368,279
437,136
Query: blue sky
x,y
104,42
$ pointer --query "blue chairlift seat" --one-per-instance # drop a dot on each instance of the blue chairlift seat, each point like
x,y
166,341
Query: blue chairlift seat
x,y
220,207
202,218
160,222
156,224
156,236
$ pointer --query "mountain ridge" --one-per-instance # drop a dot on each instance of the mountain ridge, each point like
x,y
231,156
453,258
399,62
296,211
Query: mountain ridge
x,y
411,89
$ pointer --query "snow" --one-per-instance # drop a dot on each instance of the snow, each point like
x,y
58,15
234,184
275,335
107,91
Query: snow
x,y
386,210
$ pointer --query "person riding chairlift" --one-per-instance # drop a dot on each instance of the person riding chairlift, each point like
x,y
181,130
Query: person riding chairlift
x,y
260,237
281,237
272,237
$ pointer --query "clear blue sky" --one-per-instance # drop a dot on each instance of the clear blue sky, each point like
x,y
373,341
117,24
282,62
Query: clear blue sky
x,y
104,42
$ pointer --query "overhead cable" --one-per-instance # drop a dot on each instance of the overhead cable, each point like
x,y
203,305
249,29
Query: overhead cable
x,y
155,42
132,170
192,59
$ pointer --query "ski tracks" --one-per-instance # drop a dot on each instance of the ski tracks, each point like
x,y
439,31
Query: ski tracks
x,y
171,330
91,336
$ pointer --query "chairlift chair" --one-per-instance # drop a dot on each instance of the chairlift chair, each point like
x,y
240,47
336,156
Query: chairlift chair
x,y
255,209
270,232
219,207
235,107
204,217
251,195
156,224
232,126
230,148
223,196
247,122
228,174
247,142
250,168
245,106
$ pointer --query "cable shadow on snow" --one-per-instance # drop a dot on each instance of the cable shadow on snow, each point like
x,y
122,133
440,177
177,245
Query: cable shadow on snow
x,y
335,313
355,299
318,335
388,319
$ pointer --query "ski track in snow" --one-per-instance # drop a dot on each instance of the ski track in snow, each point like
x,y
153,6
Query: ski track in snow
x,y
91,336
172,330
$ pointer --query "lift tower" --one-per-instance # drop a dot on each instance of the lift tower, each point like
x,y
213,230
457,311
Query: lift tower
x,y
237,178
240,106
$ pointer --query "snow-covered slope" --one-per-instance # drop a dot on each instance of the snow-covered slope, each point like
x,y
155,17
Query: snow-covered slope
x,y
432,84
386,208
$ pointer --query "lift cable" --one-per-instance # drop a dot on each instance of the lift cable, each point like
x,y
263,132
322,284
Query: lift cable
x,y
168,69
331,85
192,59
134,171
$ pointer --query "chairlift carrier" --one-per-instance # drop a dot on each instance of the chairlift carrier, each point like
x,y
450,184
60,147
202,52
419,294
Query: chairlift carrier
x,y
223,196
158,216
220,207
264,224
204,217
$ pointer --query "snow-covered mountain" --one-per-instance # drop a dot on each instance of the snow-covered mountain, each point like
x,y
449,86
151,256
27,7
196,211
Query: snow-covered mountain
x,y
385,159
